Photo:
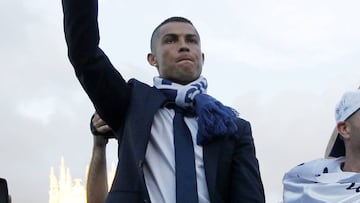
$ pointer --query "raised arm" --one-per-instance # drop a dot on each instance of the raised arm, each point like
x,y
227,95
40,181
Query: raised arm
x,y
104,85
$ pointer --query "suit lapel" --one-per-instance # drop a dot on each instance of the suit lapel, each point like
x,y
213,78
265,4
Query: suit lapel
x,y
145,104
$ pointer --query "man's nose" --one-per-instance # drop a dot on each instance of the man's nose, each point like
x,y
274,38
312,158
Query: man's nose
x,y
183,46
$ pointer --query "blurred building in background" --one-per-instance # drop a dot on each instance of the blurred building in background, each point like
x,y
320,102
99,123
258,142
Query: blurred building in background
x,y
65,189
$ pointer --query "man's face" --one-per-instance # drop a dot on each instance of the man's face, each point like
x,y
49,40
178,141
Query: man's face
x,y
354,130
177,53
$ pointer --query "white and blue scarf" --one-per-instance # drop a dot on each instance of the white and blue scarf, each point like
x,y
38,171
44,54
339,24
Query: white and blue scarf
x,y
214,119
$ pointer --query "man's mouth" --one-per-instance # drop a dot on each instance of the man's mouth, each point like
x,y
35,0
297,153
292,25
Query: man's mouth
x,y
184,59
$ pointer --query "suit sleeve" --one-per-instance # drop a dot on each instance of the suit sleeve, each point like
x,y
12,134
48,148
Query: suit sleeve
x,y
104,85
246,180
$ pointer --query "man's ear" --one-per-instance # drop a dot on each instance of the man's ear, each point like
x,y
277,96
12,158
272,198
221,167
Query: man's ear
x,y
203,58
343,128
152,60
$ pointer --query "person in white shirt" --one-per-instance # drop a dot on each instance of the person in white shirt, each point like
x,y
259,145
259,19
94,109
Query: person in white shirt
x,y
336,179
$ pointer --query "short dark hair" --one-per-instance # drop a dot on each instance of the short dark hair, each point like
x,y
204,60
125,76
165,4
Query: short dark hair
x,y
169,20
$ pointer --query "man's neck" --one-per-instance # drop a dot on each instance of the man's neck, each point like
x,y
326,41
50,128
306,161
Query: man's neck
x,y
352,163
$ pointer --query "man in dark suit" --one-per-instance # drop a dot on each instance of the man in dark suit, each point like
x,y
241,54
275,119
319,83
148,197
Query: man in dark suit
x,y
176,143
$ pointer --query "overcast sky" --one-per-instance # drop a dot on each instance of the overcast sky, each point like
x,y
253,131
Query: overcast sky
x,y
282,64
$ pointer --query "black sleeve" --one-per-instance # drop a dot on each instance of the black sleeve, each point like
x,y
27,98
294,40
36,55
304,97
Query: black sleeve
x,y
104,85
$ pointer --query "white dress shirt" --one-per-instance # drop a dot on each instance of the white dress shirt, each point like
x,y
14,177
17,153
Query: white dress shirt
x,y
159,165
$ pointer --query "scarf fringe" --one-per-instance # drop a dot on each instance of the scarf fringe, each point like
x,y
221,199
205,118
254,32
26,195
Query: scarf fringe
x,y
215,119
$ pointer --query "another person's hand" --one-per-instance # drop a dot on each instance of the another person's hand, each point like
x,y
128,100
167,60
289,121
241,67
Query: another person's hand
x,y
99,130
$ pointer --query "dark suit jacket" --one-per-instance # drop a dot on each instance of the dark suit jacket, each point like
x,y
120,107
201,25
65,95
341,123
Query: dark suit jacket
x,y
231,168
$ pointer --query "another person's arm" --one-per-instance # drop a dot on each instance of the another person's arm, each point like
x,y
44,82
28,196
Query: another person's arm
x,y
97,185
4,193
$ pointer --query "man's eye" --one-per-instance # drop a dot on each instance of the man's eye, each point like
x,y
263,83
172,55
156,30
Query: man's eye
x,y
193,40
169,41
